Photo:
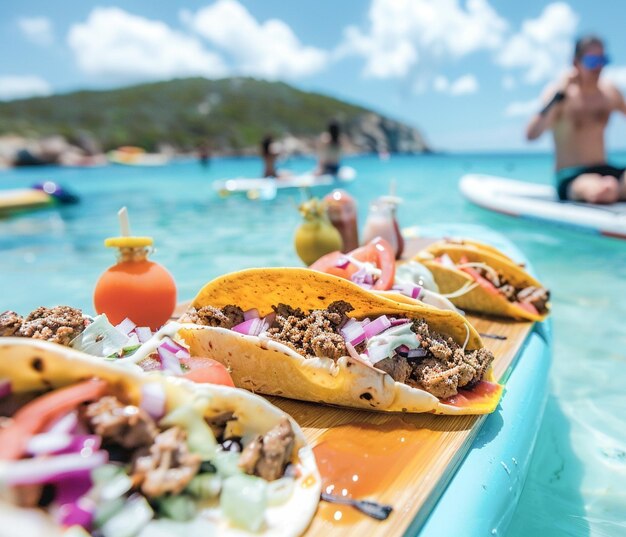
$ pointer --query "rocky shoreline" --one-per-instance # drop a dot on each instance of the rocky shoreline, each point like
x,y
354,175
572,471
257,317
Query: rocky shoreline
x,y
225,117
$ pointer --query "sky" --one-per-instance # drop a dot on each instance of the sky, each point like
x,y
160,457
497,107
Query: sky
x,y
466,73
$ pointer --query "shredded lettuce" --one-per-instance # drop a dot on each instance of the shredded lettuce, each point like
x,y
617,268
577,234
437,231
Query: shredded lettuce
x,y
200,437
244,500
101,338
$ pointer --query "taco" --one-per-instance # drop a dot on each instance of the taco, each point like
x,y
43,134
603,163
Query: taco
x,y
482,279
308,335
103,450
134,346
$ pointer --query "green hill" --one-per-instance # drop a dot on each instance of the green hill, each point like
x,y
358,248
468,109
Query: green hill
x,y
230,114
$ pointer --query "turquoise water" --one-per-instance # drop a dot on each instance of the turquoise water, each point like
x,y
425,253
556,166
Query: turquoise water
x,y
576,481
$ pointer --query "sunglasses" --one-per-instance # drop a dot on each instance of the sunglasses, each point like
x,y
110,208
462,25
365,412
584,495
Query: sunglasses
x,y
594,61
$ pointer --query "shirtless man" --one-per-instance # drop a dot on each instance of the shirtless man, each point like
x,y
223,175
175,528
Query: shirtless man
x,y
577,111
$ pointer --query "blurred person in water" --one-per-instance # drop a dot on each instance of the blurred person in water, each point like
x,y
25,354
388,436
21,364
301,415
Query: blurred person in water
x,y
577,111
270,153
329,150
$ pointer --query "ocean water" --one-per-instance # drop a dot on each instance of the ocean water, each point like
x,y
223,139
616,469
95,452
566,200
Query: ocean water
x,y
576,482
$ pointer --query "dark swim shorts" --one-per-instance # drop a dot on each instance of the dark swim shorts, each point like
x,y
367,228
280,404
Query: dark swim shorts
x,y
566,176
330,169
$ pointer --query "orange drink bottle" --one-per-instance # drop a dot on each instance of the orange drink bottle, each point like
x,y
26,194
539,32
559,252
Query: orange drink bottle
x,y
135,287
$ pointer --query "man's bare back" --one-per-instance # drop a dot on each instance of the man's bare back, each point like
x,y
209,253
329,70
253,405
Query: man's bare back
x,y
577,112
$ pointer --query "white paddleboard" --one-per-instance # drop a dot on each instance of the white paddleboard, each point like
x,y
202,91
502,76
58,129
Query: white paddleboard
x,y
540,202
267,187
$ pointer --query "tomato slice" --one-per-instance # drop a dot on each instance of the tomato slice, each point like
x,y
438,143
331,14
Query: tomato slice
x,y
207,370
328,264
386,262
378,252
34,416
483,282
530,308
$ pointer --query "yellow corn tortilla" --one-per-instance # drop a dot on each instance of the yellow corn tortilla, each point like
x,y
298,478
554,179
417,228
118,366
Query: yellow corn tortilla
x,y
262,365
478,299
33,365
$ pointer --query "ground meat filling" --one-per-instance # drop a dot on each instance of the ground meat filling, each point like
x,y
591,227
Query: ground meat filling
x,y
537,296
443,369
126,425
226,317
267,456
315,334
60,324
168,467
10,323
446,367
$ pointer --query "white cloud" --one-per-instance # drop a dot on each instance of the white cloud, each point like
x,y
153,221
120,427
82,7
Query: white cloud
x,y
269,49
616,74
114,43
441,84
401,33
522,108
543,46
508,82
463,85
37,29
19,87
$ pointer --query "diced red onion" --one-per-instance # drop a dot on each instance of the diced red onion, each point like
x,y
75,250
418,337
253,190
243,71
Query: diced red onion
x,y
73,508
251,327
269,319
398,322
5,388
366,286
57,443
65,424
245,327
42,470
153,399
183,355
251,314
408,289
169,361
79,513
377,353
143,333
126,326
71,490
353,332
362,276
365,321
417,353
377,326
342,262
402,350
171,345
